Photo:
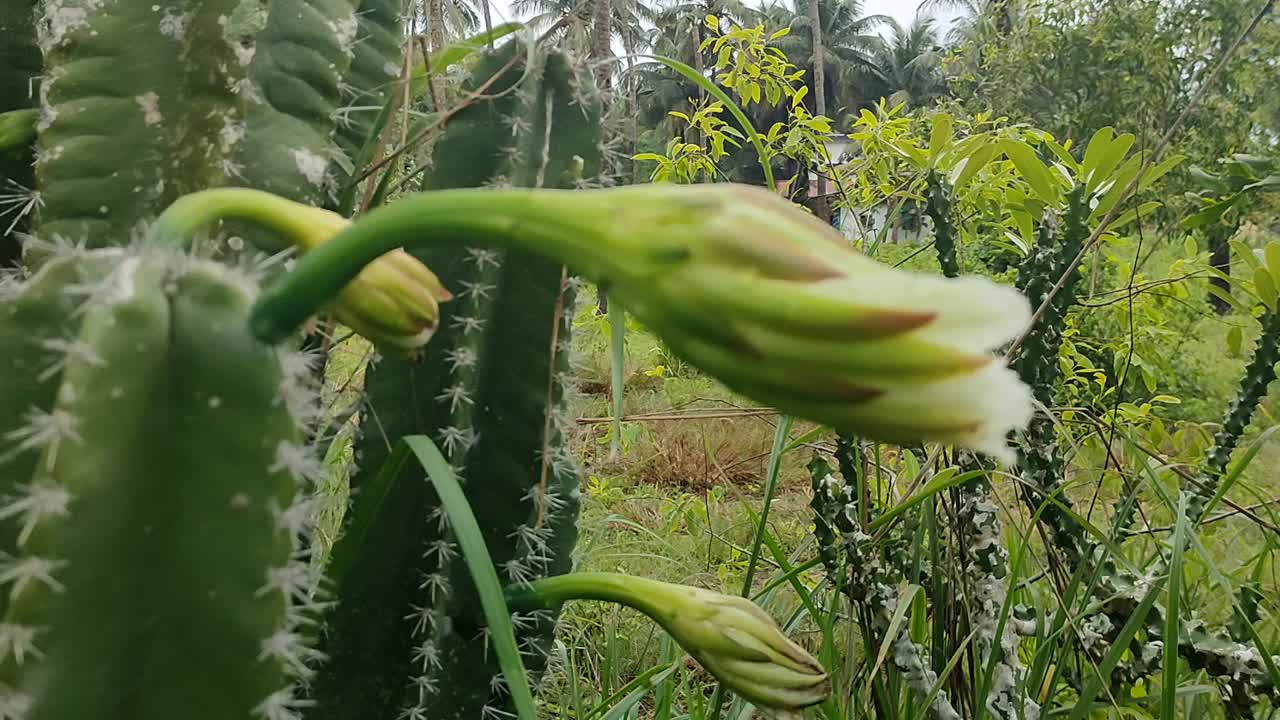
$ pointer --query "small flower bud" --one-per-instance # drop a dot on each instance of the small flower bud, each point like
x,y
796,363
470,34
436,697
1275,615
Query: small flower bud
x,y
393,302
730,636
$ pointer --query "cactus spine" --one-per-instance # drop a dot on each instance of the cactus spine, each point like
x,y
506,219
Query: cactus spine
x,y
374,67
124,600
406,636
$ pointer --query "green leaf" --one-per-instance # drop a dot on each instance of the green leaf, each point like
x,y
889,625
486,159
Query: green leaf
x,y
1270,181
1272,253
1160,170
1235,338
1098,166
456,52
1226,297
971,165
1265,286
1128,216
1032,170
940,136
1245,253
1064,156
1172,621
780,34
1097,149
715,90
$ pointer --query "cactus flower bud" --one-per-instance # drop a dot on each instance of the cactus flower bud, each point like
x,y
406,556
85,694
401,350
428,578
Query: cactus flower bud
x,y
730,636
393,301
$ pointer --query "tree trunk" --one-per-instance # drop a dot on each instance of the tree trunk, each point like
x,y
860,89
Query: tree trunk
x,y
633,103
601,54
488,19
1220,259
601,33
819,76
695,29
435,33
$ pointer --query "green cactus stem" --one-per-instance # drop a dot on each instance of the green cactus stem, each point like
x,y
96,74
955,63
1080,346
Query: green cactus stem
x,y
1037,364
406,636
20,63
1259,374
176,431
938,208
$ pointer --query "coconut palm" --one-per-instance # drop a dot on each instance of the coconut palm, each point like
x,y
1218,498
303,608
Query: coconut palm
x,y
908,67
846,39
998,15
588,26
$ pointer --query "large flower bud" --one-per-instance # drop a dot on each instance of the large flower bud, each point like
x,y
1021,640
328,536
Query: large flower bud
x,y
775,304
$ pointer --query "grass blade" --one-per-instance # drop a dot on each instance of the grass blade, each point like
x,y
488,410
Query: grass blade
x,y
1169,691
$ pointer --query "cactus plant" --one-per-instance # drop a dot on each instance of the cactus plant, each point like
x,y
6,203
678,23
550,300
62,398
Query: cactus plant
x,y
403,635
19,66
148,452
123,129
1037,365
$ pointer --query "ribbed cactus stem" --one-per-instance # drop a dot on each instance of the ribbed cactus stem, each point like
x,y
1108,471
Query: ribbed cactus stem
x,y
170,430
19,64
1258,375
938,207
1037,364
406,637
864,579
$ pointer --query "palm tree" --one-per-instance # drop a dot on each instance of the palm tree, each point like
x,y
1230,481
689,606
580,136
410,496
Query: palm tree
x,y
998,14
843,37
908,68
440,19
587,26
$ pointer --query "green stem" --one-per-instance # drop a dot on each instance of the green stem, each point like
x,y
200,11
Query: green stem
x,y
552,223
770,487
634,592
618,360
191,213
